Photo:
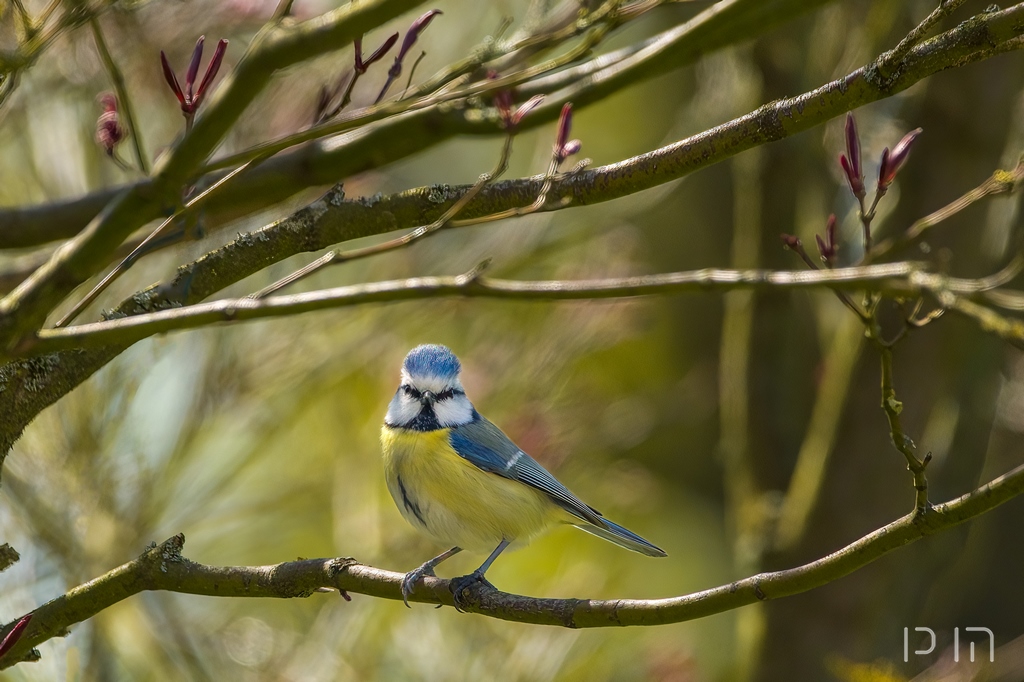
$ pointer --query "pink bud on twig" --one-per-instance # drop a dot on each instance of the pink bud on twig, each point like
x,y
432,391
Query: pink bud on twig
x,y
564,147
15,634
791,241
851,160
411,36
828,246
893,161
362,65
503,103
109,131
188,98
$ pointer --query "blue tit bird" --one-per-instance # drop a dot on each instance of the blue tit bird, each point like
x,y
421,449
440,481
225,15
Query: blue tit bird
x,y
458,478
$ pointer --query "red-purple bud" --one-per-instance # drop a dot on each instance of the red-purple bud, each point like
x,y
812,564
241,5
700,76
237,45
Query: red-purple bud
x,y
172,80
822,248
193,67
410,39
503,103
362,65
853,144
411,36
383,49
851,160
211,70
791,241
188,98
855,180
893,161
564,147
564,126
15,634
571,147
109,131
829,246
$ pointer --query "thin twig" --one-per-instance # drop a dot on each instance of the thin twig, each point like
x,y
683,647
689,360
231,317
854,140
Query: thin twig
x,y
889,61
381,110
412,72
350,80
190,208
999,182
339,256
905,279
893,408
284,8
24,17
865,220
1009,329
799,249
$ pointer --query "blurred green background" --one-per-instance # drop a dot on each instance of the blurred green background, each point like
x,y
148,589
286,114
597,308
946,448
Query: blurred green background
x,y
259,442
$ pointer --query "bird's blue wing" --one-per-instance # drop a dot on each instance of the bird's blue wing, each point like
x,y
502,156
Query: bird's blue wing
x,y
486,446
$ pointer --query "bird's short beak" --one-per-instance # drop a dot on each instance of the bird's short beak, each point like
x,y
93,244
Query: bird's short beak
x,y
428,398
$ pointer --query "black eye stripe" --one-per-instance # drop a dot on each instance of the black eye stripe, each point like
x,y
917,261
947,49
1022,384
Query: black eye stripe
x,y
443,395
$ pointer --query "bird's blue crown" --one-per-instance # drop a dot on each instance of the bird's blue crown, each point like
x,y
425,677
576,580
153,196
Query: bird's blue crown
x,y
432,360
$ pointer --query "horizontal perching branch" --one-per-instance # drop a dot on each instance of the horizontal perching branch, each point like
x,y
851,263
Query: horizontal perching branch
x,y
901,279
164,568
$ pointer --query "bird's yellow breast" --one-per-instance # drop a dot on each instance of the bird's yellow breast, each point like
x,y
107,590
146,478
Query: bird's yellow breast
x,y
453,500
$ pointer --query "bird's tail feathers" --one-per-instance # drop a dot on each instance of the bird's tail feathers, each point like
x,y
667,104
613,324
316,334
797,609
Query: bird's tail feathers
x,y
613,532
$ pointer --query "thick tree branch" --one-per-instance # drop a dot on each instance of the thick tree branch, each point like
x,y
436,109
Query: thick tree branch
x,y
408,133
400,136
163,568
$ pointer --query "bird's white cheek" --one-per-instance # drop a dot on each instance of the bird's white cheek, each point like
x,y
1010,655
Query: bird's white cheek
x,y
456,411
402,409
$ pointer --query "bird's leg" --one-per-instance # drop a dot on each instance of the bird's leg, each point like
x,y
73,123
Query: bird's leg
x,y
426,569
457,585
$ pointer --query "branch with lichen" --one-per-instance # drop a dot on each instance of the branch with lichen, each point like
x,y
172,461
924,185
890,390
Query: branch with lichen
x,y
900,440
979,38
162,567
